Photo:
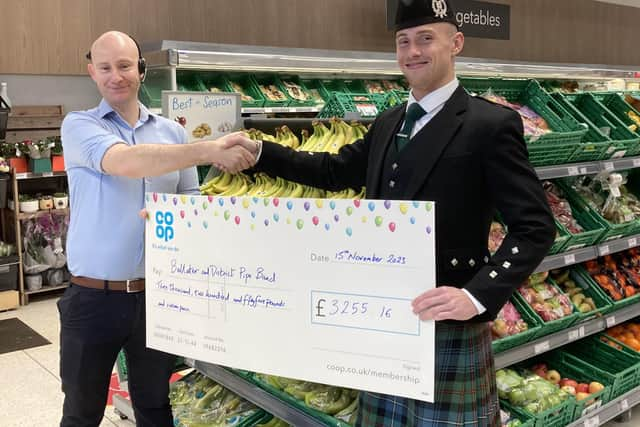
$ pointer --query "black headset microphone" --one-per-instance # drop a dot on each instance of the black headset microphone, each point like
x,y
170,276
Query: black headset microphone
x,y
142,63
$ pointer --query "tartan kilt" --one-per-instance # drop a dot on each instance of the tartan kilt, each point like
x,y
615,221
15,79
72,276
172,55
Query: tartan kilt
x,y
465,388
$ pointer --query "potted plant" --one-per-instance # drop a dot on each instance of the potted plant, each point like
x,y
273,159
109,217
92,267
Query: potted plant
x,y
46,202
57,161
15,155
60,200
28,204
41,149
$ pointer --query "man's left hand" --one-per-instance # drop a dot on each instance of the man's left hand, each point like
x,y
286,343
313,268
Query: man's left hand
x,y
444,303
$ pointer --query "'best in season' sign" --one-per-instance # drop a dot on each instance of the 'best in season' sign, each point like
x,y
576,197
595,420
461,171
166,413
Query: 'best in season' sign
x,y
475,18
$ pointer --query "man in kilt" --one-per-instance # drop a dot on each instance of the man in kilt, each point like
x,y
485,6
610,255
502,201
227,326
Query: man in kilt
x,y
469,156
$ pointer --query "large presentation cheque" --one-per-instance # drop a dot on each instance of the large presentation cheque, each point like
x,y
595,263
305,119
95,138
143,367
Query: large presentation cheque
x,y
317,290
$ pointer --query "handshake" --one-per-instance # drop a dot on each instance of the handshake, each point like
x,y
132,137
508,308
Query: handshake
x,y
231,153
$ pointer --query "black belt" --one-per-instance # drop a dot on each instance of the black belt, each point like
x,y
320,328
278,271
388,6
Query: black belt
x,y
135,285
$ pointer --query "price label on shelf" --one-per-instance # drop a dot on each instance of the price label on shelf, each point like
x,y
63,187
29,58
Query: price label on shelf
x,y
636,163
47,174
569,259
633,242
542,347
604,250
583,171
608,166
592,422
293,110
611,321
367,110
624,405
573,171
576,334
268,110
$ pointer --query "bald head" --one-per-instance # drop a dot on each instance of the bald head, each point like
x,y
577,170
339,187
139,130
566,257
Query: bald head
x,y
113,41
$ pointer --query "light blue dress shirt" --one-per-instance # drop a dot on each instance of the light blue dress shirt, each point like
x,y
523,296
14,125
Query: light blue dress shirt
x,y
106,236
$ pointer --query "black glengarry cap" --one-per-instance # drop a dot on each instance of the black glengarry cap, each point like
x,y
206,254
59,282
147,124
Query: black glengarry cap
x,y
413,13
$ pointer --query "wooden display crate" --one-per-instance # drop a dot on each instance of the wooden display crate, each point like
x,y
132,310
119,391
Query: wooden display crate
x,y
34,122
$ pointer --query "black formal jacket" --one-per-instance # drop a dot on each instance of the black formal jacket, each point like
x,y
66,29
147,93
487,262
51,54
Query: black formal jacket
x,y
471,160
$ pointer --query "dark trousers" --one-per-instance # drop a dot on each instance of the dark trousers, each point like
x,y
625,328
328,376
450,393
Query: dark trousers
x,y
95,325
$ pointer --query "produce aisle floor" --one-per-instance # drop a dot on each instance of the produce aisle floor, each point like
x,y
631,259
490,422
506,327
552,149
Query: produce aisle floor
x,y
30,388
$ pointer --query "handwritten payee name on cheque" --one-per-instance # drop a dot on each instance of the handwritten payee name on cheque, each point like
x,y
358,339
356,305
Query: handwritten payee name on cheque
x,y
245,274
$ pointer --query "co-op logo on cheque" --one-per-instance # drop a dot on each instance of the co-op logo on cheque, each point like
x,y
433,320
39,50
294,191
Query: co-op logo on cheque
x,y
164,225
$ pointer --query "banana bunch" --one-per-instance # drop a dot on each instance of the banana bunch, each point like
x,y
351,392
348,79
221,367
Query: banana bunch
x,y
347,193
284,136
226,184
333,138
256,134
265,186
323,139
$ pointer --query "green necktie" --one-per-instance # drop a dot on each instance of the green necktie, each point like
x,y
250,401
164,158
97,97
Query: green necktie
x,y
414,113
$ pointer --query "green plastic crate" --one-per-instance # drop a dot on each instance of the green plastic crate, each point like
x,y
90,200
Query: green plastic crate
x,y
329,86
558,416
526,419
615,305
565,128
394,98
374,86
340,103
611,231
595,145
314,86
243,83
552,326
619,367
626,143
551,154
270,80
216,81
561,240
591,290
150,96
571,367
299,404
249,421
507,343
190,81
618,106
282,81
593,230
354,86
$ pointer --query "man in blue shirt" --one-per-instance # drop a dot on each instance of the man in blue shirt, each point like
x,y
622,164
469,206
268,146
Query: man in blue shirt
x,y
113,154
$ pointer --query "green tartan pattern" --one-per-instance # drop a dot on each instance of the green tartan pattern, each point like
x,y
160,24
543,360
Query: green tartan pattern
x,y
465,389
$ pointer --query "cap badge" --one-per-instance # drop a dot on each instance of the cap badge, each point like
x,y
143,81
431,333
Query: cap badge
x,y
439,8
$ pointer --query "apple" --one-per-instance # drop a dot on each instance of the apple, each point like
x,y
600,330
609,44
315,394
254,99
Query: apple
x,y
553,376
582,396
595,387
568,382
541,373
569,389
540,366
582,388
